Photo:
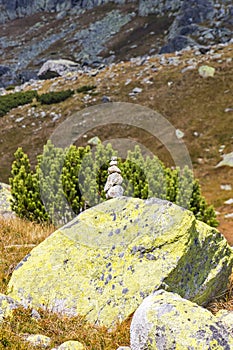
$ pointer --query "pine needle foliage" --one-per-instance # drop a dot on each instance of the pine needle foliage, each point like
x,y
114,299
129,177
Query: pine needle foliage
x,y
66,182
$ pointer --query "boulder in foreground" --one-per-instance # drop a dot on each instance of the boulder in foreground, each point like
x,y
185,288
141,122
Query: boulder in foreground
x,y
166,321
108,259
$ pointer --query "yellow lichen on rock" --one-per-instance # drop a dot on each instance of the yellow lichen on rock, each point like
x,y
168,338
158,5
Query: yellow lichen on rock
x,y
108,259
166,321
71,345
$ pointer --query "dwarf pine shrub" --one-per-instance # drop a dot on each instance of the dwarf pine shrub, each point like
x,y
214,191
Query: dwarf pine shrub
x,y
54,96
66,182
9,101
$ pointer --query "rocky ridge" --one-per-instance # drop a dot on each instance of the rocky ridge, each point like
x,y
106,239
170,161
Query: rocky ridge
x,y
109,33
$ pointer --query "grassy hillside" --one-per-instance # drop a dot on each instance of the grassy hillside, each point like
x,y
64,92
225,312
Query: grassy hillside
x,y
171,85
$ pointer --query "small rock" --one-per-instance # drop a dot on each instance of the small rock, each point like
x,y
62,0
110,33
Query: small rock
x,y
18,120
94,141
227,110
206,71
115,191
39,340
227,160
228,216
105,99
229,201
114,169
196,134
226,187
35,314
128,81
137,90
71,345
7,305
113,179
179,134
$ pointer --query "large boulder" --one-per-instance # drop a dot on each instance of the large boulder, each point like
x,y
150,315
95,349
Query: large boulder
x,y
166,321
108,259
56,68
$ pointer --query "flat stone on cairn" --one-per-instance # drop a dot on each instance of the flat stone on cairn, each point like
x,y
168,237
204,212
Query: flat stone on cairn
x,y
113,186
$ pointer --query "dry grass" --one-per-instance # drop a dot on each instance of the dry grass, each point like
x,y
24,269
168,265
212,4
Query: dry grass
x,y
17,238
223,302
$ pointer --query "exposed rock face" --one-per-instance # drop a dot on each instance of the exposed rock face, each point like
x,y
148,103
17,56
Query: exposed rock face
x,y
14,8
199,22
183,23
166,321
108,259
53,68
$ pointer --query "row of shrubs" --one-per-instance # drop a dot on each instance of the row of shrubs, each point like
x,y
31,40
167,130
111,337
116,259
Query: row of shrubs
x,y
66,182
13,100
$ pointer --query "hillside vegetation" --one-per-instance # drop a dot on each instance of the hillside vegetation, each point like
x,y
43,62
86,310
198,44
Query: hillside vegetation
x,y
171,85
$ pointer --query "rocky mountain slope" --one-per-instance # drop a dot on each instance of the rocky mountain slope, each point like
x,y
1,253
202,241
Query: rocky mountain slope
x,y
93,33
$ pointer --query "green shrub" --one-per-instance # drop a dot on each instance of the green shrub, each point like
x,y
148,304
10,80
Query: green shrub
x,y
54,97
9,101
10,87
86,88
71,180
25,190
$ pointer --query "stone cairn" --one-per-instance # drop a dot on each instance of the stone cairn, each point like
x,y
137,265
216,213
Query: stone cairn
x,y
113,186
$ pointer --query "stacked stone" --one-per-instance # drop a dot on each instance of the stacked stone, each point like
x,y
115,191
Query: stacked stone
x,y
113,186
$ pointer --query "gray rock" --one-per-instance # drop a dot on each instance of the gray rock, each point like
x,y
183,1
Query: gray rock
x,y
137,90
58,67
115,191
105,99
108,259
166,321
227,160
39,340
7,305
177,43
4,70
113,179
114,169
71,345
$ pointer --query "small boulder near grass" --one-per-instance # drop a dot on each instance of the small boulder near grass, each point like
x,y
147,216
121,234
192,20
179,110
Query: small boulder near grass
x,y
71,345
39,340
109,258
5,200
7,305
165,321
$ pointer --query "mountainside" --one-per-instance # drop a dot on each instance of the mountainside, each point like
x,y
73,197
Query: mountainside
x,y
199,108
93,33
146,52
